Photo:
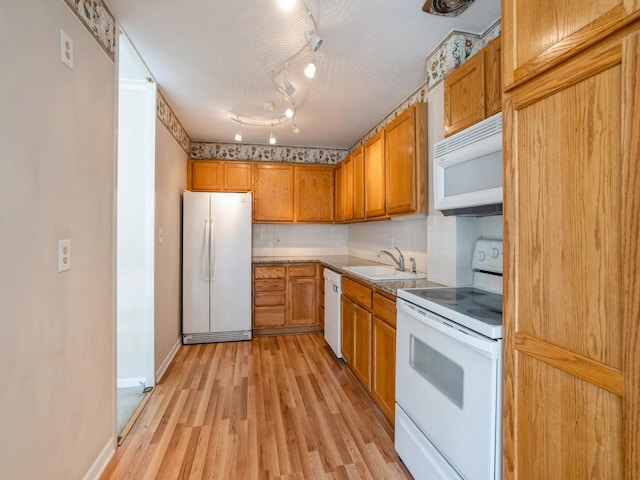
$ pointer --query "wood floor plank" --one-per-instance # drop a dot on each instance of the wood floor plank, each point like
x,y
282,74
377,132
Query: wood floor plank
x,y
279,407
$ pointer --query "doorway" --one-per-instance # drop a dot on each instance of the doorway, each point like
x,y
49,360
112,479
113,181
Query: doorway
x,y
135,235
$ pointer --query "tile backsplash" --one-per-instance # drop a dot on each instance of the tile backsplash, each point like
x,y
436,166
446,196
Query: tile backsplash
x,y
299,239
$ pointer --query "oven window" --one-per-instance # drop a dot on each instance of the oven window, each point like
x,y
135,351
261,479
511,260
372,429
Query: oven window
x,y
441,372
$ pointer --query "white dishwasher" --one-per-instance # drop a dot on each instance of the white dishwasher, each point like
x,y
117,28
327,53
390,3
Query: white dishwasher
x,y
332,293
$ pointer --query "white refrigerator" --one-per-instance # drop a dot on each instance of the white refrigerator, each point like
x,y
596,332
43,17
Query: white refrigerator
x,y
216,267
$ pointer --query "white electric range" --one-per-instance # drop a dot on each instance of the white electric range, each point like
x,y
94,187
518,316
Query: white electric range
x,y
449,374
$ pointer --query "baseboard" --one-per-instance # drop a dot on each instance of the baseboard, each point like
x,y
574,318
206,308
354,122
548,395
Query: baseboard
x,y
102,461
131,382
167,361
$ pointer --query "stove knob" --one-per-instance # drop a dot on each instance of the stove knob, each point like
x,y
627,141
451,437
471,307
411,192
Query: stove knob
x,y
495,252
481,256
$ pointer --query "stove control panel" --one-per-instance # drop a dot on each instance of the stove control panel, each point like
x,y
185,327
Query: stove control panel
x,y
487,256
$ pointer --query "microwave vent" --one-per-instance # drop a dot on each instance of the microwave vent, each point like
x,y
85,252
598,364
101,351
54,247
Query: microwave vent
x,y
469,136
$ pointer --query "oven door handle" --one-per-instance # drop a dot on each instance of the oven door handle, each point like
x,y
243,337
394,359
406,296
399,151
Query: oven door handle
x,y
487,347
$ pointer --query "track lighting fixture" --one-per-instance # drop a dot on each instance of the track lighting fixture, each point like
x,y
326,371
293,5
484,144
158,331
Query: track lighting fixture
x,y
310,69
288,88
285,110
313,40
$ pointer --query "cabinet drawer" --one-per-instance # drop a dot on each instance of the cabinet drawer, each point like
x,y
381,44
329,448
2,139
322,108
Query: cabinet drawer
x,y
269,285
384,308
356,291
268,299
302,270
269,317
269,271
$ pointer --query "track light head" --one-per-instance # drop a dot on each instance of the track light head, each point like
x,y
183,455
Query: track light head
x,y
288,112
272,139
288,88
310,69
313,40
238,136
295,128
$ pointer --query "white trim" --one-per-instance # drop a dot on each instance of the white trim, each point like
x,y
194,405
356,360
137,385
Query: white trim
x,y
101,461
168,359
131,382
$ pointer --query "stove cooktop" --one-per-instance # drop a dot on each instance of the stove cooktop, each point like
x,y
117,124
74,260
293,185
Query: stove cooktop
x,y
476,309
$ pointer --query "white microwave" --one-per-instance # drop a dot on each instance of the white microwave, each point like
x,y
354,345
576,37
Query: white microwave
x,y
467,170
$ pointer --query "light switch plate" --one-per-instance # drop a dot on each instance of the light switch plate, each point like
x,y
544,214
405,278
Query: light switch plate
x,y
64,255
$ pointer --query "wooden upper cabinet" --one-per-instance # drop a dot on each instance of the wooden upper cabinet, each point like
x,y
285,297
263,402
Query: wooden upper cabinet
x,y
540,35
492,57
473,91
314,193
217,176
406,160
204,175
339,194
358,183
273,187
464,95
374,176
347,189
236,177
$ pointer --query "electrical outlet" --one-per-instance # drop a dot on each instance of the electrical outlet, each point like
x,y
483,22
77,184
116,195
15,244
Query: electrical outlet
x,y
160,236
66,49
64,255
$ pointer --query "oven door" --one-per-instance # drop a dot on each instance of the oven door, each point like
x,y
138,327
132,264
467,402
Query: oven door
x,y
448,383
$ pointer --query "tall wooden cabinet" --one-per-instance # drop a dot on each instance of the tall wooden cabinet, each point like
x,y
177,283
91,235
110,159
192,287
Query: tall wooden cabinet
x,y
572,255
374,176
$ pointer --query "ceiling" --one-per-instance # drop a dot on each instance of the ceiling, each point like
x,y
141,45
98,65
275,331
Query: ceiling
x,y
214,59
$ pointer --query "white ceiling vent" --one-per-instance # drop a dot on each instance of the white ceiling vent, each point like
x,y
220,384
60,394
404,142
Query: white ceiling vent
x,y
446,8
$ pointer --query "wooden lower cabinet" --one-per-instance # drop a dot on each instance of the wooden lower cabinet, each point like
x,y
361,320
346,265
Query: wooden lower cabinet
x,y
362,345
285,298
369,341
383,368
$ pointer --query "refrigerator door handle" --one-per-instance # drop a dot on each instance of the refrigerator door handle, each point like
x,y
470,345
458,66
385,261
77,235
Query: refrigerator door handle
x,y
204,252
212,251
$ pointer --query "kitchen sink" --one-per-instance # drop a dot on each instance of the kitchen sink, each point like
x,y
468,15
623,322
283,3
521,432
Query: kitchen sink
x,y
379,272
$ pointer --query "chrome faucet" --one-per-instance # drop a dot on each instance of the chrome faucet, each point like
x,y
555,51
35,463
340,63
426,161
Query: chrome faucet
x,y
399,261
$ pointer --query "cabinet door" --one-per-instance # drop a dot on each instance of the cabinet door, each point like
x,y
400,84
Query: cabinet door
x,y
539,35
358,184
206,176
347,189
492,77
339,199
383,368
572,257
314,193
400,142
273,193
362,345
301,296
347,328
237,177
374,175
464,96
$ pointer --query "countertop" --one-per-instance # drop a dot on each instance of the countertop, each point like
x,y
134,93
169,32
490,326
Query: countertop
x,y
337,264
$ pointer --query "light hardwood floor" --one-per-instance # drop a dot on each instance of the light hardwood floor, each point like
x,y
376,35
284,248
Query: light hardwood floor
x,y
275,407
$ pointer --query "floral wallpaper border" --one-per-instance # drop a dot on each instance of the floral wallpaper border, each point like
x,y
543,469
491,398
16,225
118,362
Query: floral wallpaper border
x,y
99,21
456,49
230,151
170,120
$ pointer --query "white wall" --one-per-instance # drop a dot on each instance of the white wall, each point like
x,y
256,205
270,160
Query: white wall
x,y
171,180
56,182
